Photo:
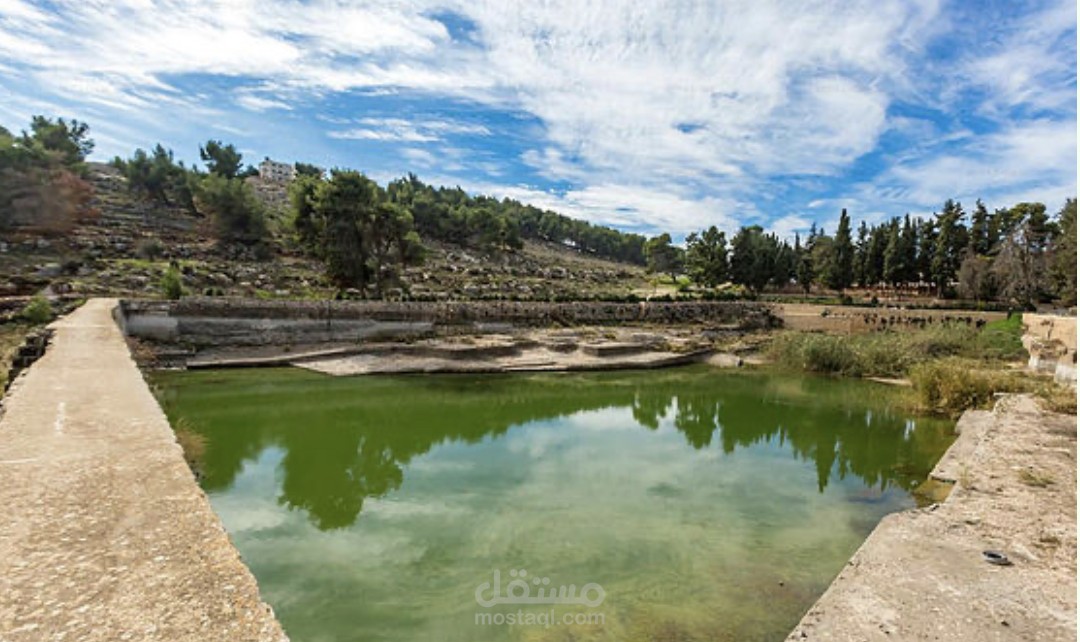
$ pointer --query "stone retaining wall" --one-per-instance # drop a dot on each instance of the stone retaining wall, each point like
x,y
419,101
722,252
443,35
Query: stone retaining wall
x,y
858,320
212,321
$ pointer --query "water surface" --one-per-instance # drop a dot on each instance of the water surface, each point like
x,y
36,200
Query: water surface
x,y
707,505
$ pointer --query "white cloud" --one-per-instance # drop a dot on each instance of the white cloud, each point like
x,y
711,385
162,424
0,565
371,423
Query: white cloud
x,y
1032,66
400,129
656,115
1015,160
254,102
787,226
20,12
419,157
718,89
402,134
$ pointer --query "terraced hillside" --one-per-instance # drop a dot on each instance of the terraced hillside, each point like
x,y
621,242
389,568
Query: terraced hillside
x,y
128,246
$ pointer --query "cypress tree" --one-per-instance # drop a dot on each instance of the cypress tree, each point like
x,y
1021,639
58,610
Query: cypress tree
x,y
893,271
979,235
862,247
838,276
927,242
909,251
950,241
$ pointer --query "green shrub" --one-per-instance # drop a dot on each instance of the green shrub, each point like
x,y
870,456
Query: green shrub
x,y
150,249
815,353
883,354
870,355
38,311
941,340
830,354
238,214
171,285
891,353
951,386
1001,339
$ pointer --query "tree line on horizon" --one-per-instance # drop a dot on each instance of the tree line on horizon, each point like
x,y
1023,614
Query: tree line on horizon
x,y
1019,255
367,234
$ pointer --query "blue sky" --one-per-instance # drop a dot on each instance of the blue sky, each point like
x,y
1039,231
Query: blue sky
x,y
648,116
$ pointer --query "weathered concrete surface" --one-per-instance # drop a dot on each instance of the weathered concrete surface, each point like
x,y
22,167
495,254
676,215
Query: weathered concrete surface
x,y
105,535
920,575
536,349
496,357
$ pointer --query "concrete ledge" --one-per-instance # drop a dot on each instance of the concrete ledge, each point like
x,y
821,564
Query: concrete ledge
x,y
972,428
106,535
468,361
921,574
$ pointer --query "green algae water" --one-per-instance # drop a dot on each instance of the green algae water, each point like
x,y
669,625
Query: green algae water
x,y
695,504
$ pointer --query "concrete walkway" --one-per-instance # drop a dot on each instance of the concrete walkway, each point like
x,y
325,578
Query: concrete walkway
x,y
105,534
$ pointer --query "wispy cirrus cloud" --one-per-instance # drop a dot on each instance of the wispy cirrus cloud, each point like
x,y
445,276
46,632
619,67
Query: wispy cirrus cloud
x,y
409,131
1036,158
647,115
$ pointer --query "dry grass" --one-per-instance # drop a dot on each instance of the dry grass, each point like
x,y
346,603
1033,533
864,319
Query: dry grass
x,y
141,352
1057,398
12,336
951,386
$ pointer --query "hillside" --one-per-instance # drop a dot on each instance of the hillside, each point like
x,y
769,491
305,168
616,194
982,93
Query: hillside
x,y
125,249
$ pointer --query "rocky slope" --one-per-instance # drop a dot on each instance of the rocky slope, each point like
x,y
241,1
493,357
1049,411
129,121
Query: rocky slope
x,y
126,248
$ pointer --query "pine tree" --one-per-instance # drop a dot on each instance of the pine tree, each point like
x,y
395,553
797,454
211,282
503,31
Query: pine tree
x,y
783,265
707,257
752,257
1064,254
662,256
1003,222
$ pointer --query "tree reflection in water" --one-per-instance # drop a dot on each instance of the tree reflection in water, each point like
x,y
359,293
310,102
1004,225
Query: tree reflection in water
x,y
345,440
